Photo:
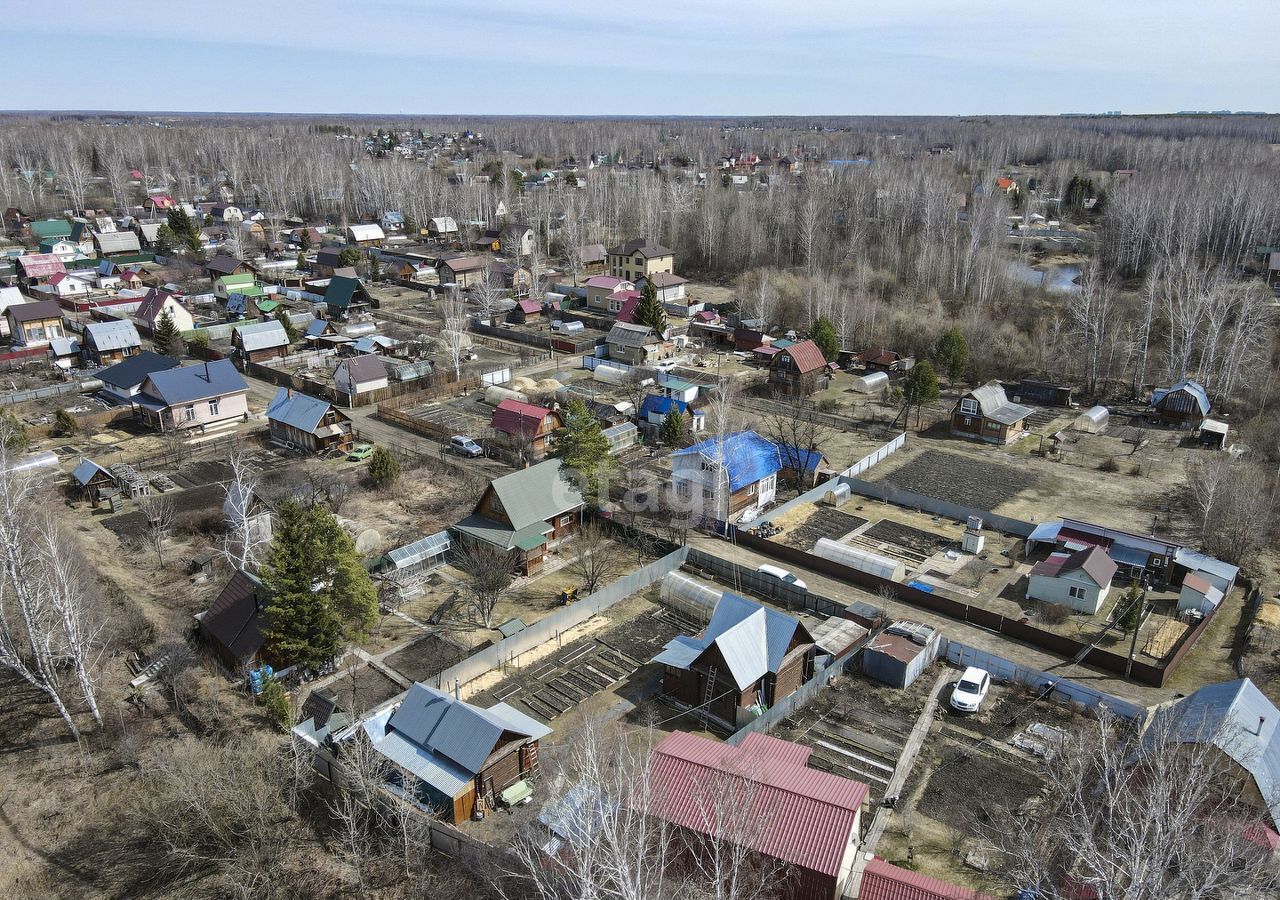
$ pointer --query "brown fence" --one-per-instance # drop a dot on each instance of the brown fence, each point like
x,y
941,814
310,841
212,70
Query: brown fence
x,y
446,387
1058,644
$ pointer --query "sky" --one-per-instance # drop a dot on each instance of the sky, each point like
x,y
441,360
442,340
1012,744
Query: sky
x,y
641,58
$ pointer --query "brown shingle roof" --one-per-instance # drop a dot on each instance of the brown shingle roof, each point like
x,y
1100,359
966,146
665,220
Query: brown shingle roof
x,y
806,356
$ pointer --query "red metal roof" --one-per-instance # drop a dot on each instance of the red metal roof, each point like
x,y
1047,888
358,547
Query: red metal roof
x,y
884,881
515,417
1070,535
806,356
806,817
530,307
41,265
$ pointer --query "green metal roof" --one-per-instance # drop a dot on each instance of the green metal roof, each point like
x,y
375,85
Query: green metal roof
x,y
533,495
229,280
51,228
503,536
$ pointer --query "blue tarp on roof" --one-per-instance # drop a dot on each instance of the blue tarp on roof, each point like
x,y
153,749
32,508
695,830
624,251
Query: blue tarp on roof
x,y
652,403
746,455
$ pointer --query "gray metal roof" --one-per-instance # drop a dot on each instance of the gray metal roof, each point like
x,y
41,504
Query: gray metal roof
x,y
993,404
118,335
462,734
85,471
117,242
752,639
263,336
197,382
625,334
1199,562
1240,721
298,410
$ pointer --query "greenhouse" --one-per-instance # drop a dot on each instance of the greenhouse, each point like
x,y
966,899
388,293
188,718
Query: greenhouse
x,y
862,560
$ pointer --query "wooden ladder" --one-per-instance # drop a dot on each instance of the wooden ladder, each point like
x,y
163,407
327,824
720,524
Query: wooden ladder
x,y
707,694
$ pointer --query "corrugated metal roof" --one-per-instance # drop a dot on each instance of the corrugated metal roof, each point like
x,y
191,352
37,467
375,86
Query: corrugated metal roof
x,y
1240,721
793,813
533,495
298,410
85,471
117,242
235,617
516,417
1197,392
1199,562
884,881
625,334
119,335
364,369
262,336
197,382
806,356
40,265
134,370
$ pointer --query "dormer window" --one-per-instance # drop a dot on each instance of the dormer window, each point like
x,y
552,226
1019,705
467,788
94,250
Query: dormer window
x,y
969,406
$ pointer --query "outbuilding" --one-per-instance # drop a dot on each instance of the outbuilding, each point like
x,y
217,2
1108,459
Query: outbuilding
x,y
897,655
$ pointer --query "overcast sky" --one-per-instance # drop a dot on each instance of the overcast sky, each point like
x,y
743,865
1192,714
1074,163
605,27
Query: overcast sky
x,y
647,57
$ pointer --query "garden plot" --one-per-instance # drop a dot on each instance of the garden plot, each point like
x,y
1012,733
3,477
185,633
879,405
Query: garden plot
x,y
821,522
961,479
460,416
917,543
427,657
584,668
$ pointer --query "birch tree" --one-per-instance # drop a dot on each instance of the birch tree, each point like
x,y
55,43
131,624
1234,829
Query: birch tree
x,y
454,335
244,541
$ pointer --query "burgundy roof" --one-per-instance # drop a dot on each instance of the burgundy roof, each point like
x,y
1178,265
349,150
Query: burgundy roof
x,y
515,417
35,311
808,815
629,304
530,307
152,305
1094,562
604,281
807,357
1079,537
365,368
884,881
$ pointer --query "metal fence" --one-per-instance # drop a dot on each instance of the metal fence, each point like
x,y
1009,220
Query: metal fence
x,y
813,495
750,581
506,653
40,393
789,704
1064,689
891,493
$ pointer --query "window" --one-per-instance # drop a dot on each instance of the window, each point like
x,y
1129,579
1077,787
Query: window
x,y
684,490
189,414
1075,593
566,520
751,488
495,503
993,426
768,484
213,406
969,407
639,260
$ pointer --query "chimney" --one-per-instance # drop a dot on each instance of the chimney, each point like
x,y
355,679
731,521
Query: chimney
x,y
457,689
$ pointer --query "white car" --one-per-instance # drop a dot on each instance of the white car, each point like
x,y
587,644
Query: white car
x,y
971,689
782,575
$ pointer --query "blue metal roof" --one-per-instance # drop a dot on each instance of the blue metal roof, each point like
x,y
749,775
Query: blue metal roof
x,y
135,369
300,411
752,639
316,327
746,455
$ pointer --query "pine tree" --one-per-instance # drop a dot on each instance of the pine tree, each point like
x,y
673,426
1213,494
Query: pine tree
x,y
320,593
282,316
823,333
584,451
952,352
166,338
349,256
673,428
305,241
649,311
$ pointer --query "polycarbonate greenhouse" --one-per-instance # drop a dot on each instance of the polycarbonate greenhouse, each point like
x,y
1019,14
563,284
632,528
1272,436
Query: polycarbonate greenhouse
x,y
862,560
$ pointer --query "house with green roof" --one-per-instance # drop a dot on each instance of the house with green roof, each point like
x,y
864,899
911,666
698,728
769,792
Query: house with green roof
x,y
345,295
246,285
48,229
525,514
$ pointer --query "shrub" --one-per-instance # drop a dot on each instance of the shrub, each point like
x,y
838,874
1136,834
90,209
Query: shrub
x,y
276,704
1109,465
828,404
64,423
384,468
1055,613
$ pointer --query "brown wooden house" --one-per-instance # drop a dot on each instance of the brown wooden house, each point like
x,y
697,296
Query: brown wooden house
x,y
987,414
748,658
298,420
1184,403
91,482
799,369
453,757
232,626
527,424
525,514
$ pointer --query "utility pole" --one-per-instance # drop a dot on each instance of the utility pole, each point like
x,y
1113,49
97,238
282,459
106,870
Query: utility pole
x,y
1141,600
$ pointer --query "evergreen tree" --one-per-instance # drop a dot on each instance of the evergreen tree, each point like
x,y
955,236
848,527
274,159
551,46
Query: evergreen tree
x,y
384,468
305,241
649,311
320,593
166,240
282,316
921,387
166,338
952,352
673,428
584,451
1129,609
349,256
275,702
823,333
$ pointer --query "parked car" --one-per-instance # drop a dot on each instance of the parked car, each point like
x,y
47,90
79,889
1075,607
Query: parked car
x,y
782,575
971,689
465,446
360,451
